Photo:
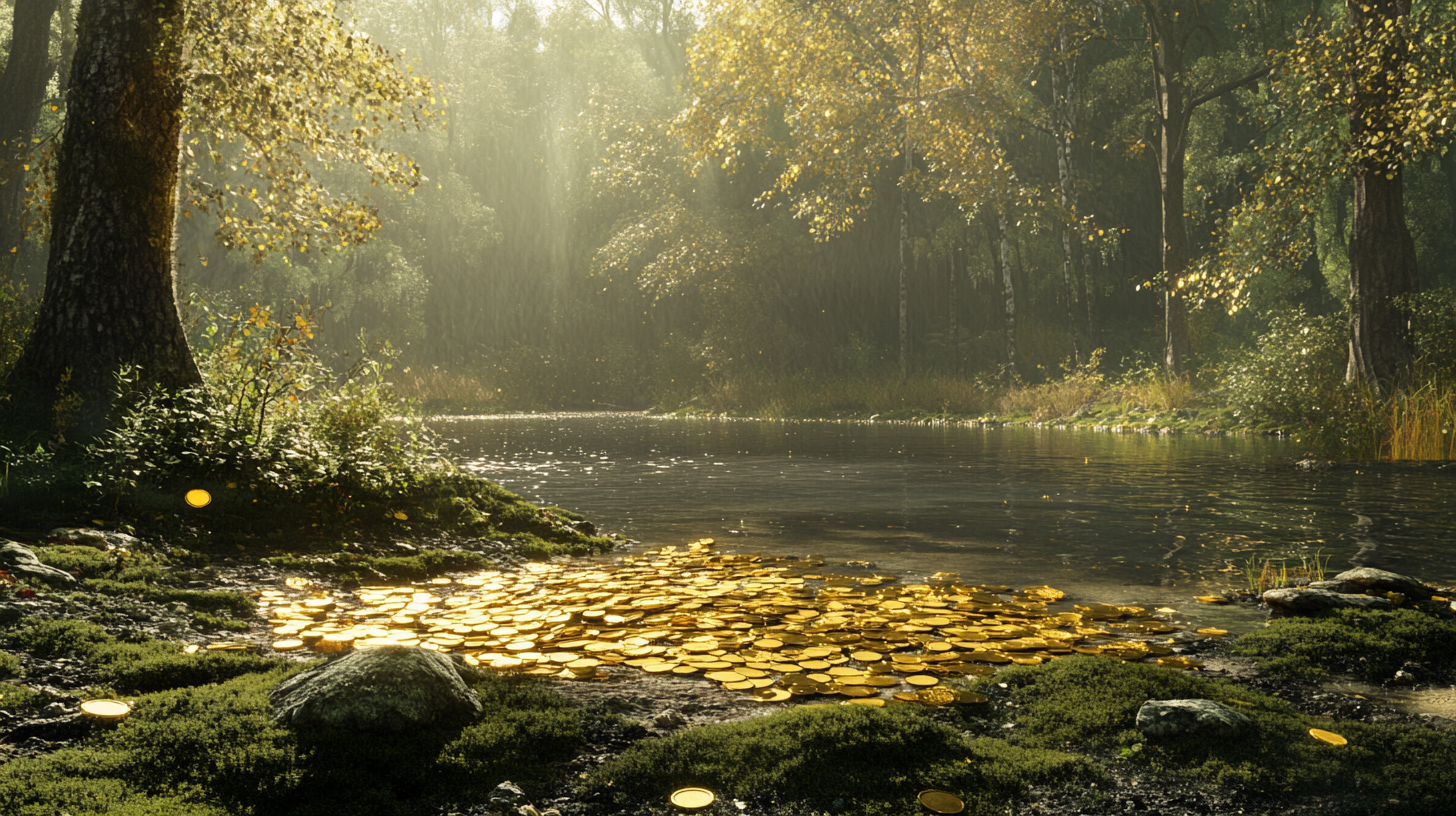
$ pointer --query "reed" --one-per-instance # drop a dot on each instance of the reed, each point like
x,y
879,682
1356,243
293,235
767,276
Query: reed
x,y
434,388
1420,424
1262,575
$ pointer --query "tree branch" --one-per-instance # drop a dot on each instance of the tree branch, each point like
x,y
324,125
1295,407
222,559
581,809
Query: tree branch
x,y
1219,90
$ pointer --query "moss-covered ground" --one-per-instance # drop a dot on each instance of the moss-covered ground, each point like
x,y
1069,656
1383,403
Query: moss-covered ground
x,y
1089,706
1372,645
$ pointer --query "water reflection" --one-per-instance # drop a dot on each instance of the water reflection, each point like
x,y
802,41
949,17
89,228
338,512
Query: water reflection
x,y
1124,517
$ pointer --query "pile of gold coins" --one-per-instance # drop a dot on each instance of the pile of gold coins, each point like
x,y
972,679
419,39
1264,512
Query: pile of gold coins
x,y
774,627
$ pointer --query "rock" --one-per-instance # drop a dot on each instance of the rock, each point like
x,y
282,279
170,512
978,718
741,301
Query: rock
x,y
1172,718
100,539
1309,600
669,720
507,793
22,563
1403,678
390,688
1366,579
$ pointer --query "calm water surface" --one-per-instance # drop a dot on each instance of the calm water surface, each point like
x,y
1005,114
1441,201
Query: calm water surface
x,y
1109,517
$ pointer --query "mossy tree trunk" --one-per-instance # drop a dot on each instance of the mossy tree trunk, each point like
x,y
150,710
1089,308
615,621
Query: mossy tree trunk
x,y
1382,252
110,293
22,90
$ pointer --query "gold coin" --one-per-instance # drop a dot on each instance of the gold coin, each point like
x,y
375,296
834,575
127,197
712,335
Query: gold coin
x,y
940,802
287,645
875,702
197,497
725,677
692,798
867,657
922,680
772,695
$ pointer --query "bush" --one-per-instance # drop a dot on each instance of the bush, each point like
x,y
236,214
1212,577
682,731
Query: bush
x,y
1295,374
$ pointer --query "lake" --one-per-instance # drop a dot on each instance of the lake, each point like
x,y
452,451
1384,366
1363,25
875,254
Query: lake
x,y
1118,518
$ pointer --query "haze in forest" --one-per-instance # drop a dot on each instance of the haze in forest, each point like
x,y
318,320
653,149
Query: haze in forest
x,y
601,221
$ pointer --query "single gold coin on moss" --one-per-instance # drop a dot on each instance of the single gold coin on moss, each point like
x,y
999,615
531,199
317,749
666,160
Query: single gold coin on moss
x,y
939,801
692,798
1328,736
197,497
287,645
105,710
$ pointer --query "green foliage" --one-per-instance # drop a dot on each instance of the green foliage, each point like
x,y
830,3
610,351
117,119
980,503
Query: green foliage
x,y
215,749
1295,373
16,316
235,604
1370,644
875,759
1092,703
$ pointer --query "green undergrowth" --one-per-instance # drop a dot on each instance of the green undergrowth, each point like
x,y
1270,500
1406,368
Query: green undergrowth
x,y
1372,645
131,665
14,696
1090,705
149,577
353,568
9,666
215,749
874,761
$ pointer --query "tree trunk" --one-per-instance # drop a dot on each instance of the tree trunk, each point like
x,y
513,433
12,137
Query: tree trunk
x,y
1173,115
110,294
1382,253
1008,287
22,90
954,327
1064,78
905,266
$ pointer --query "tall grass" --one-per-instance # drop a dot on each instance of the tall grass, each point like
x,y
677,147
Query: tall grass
x,y
881,393
1420,423
435,389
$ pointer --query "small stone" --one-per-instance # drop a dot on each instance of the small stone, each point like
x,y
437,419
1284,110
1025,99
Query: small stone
x,y
507,793
22,563
1171,718
669,720
1404,678
1311,599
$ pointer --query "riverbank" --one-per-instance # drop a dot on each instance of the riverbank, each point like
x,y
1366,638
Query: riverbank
x,y
1052,736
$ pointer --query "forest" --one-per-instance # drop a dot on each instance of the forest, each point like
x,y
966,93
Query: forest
x,y
348,346
938,209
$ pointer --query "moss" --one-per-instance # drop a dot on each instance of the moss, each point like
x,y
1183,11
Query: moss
x,y
216,749
1370,644
136,666
1092,703
877,759
89,562
15,697
212,623
9,665
55,638
233,603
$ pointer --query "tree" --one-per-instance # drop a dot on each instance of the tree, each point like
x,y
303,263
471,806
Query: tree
x,y
22,90
834,93
1352,101
1171,24
110,293
284,81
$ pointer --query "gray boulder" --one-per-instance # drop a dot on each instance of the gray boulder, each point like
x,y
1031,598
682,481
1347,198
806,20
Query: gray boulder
x,y
1173,718
1293,601
22,563
100,539
1365,579
391,688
